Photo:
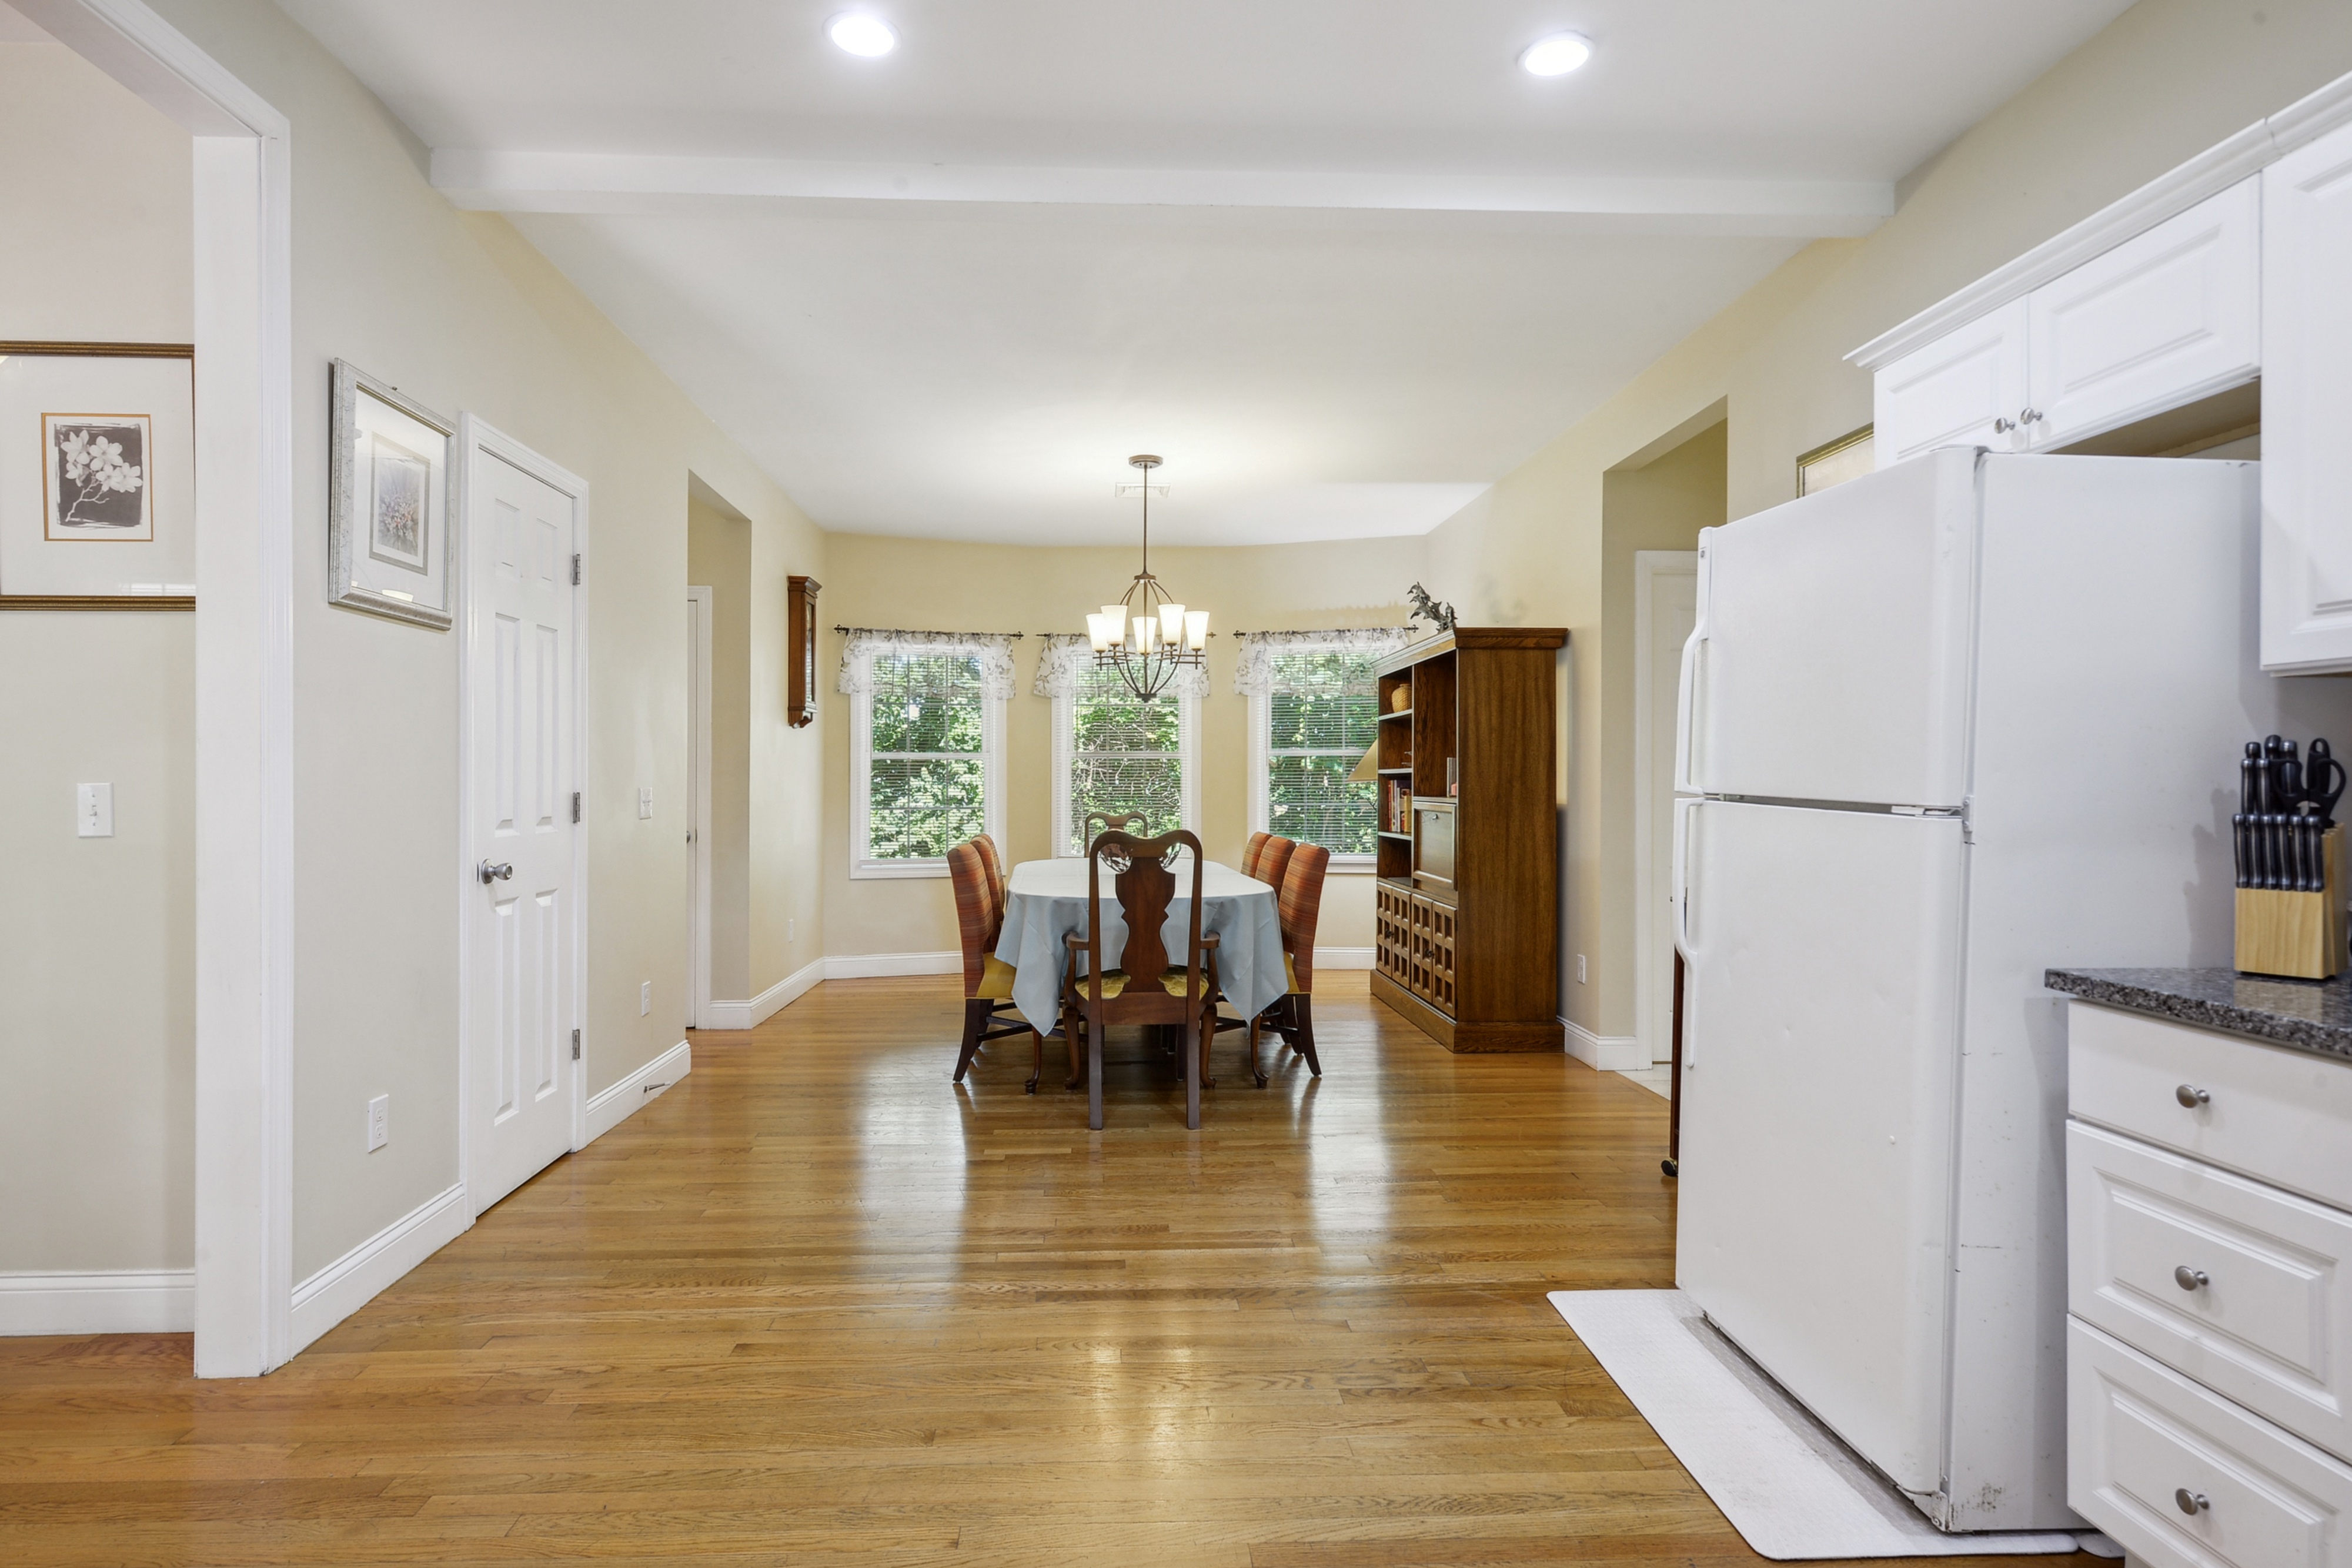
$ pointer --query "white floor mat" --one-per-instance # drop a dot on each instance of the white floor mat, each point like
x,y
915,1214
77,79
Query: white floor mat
x,y
1788,1485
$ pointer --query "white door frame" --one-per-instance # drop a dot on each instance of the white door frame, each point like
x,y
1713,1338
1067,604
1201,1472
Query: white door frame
x,y
476,436
697,794
243,912
1653,1028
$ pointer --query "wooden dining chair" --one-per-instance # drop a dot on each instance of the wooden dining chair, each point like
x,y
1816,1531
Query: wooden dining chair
x,y
987,848
1100,822
987,979
1140,990
1251,851
1274,859
1292,1015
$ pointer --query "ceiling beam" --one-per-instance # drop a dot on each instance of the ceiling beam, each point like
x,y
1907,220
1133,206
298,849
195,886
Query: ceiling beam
x,y
492,180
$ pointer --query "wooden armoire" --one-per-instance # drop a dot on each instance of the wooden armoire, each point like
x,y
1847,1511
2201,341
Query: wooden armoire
x,y
1467,907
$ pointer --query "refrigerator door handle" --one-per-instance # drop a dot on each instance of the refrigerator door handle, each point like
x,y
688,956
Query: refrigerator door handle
x,y
1686,717
1686,812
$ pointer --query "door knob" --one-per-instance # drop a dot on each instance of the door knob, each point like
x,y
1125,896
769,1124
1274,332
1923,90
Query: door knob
x,y
2190,1095
2190,1278
2191,1502
503,872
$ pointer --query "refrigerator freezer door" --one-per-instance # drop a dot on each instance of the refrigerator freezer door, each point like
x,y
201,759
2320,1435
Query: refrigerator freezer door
x,y
1821,1021
1833,655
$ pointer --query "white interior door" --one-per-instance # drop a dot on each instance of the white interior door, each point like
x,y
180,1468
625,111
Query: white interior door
x,y
1821,1017
524,923
697,804
1833,648
1665,606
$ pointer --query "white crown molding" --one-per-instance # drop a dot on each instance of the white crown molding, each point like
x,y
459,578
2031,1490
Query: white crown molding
x,y
360,1275
616,1104
2168,195
770,1002
500,181
1604,1053
103,1300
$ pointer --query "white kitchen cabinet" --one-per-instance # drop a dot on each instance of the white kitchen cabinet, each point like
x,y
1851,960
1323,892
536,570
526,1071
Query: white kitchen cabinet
x,y
2169,316
2307,407
2161,320
1962,390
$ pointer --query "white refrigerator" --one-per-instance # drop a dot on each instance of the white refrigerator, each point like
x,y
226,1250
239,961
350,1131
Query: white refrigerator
x,y
1943,727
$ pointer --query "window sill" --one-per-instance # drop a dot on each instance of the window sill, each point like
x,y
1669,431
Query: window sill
x,y
1353,865
896,871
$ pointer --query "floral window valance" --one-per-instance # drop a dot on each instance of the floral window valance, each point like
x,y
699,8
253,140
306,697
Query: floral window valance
x,y
1066,660
1254,676
994,649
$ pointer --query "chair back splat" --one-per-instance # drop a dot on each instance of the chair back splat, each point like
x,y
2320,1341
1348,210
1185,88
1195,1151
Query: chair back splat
x,y
1100,822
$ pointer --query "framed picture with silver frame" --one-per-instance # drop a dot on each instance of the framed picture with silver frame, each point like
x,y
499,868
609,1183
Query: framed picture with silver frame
x,y
1850,457
391,512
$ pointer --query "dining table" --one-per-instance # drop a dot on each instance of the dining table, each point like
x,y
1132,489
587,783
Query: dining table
x,y
1047,900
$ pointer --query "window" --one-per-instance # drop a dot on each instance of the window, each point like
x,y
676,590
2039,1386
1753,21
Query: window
x,y
1113,753
1314,712
928,741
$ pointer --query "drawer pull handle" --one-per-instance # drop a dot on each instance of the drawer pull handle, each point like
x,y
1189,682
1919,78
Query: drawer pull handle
x,y
2191,1502
2191,1096
2190,1278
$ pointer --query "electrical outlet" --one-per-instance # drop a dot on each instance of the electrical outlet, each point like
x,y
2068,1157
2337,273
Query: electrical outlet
x,y
645,804
1580,968
379,1122
94,811
645,998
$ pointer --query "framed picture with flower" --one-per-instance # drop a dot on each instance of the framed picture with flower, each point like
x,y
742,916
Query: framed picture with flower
x,y
389,517
97,476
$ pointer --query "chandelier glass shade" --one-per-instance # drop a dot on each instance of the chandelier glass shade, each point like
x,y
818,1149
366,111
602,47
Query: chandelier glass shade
x,y
1147,636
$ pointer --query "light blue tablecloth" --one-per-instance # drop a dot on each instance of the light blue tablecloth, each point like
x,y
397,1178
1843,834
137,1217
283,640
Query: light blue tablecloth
x,y
1047,899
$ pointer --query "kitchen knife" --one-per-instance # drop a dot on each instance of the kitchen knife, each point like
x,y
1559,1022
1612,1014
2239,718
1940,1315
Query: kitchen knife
x,y
2322,782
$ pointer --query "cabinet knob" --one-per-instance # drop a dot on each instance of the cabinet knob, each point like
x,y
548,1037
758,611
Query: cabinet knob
x,y
2190,1095
2190,1278
2191,1502
2029,416
2003,426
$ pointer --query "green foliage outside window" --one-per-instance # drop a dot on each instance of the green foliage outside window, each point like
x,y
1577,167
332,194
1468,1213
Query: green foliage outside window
x,y
1323,713
1125,755
926,791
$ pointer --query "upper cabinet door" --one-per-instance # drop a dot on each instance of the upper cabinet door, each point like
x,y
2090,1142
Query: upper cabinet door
x,y
2162,320
2307,407
1965,389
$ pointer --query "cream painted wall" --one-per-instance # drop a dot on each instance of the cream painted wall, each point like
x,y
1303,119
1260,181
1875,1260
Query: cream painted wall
x,y
2164,81
458,311
96,948
927,585
718,555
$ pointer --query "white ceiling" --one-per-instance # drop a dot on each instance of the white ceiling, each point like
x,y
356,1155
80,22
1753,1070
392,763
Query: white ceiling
x,y
1340,260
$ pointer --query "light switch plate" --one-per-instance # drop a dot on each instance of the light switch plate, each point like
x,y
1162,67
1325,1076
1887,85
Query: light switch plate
x,y
645,998
1580,968
645,804
94,811
379,1122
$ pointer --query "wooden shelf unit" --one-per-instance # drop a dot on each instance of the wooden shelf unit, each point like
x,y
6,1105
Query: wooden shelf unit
x,y
1472,960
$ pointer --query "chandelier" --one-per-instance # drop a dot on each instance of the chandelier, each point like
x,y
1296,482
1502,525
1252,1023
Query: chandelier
x,y
1147,636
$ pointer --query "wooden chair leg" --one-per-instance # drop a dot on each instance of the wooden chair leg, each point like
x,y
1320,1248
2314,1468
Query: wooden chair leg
x,y
1255,1070
1194,1054
975,1018
1037,1061
1094,1071
1303,1009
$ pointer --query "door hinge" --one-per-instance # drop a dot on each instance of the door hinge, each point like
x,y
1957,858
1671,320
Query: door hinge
x,y
575,805
575,1045
575,572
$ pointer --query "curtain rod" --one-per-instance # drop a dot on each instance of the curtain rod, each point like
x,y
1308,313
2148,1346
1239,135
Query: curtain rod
x,y
893,631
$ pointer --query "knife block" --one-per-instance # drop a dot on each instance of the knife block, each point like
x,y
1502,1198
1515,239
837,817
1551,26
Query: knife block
x,y
2301,936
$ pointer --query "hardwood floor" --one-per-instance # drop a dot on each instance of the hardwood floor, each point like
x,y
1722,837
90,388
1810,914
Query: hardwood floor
x,y
817,1305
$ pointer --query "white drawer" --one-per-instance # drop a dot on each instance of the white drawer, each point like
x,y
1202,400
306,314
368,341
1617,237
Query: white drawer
x,y
2139,1436
2281,1114
2268,1325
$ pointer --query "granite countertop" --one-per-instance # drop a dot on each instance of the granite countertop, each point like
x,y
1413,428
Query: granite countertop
x,y
2309,1015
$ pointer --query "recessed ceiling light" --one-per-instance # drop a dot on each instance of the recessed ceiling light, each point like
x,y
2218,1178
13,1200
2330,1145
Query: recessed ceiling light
x,y
862,34
1557,55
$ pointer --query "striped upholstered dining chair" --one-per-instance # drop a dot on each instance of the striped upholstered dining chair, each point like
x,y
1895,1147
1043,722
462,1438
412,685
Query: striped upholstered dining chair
x,y
987,979
1251,851
987,848
1292,1015
1272,860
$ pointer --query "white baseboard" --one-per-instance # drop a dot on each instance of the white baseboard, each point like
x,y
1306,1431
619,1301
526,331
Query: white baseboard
x,y
353,1279
1343,957
623,1100
768,1003
103,1300
1606,1053
877,966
